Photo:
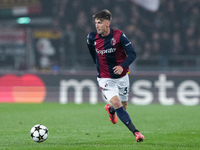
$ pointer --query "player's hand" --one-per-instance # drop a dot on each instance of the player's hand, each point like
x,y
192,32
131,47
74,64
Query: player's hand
x,y
118,70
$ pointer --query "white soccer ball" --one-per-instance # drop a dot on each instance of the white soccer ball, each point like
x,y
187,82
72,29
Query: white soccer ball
x,y
39,133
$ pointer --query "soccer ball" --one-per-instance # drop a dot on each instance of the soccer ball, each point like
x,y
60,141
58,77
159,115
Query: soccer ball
x,y
39,133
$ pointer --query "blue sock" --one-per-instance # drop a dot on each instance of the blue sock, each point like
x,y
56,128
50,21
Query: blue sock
x,y
125,118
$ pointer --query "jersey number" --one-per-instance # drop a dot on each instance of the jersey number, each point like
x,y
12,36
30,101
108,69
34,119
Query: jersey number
x,y
125,90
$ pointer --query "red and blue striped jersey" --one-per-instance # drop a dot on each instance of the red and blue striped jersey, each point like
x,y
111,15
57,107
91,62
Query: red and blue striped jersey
x,y
110,51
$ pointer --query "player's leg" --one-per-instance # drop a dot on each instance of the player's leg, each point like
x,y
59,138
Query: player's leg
x,y
122,114
108,91
125,118
123,85
111,112
124,105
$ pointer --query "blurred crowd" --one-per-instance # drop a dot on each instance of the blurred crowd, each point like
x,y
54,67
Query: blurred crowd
x,y
172,30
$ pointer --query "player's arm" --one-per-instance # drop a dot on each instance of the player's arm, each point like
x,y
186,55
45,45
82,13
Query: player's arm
x,y
131,54
91,46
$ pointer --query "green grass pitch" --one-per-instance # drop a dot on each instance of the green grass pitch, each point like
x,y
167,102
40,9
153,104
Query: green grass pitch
x,y
87,127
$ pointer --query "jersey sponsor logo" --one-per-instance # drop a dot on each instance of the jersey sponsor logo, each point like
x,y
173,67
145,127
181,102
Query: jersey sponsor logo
x,y
110,50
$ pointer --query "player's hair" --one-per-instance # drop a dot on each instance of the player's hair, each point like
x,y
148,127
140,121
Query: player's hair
x,y
103,15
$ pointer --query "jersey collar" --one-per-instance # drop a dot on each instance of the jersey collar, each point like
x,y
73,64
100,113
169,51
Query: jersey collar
x,y
109,35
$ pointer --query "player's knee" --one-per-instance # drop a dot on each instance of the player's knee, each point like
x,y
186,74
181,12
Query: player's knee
x,y
116,102
124,105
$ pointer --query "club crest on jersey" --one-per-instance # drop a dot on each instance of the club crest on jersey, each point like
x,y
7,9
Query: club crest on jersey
x,y
113,41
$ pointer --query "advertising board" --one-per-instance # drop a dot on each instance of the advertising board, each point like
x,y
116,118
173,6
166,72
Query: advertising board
x,y
145,89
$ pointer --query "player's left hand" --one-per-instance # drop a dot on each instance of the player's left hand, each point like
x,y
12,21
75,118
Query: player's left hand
x,y
118,70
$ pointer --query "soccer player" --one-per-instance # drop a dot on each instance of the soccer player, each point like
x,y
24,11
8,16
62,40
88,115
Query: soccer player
x,y
112,52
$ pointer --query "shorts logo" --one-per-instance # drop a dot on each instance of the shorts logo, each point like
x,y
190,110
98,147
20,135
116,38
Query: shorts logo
x,y
106,85
113,41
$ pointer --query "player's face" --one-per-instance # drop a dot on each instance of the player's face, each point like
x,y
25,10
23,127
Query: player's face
x,y
102,26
